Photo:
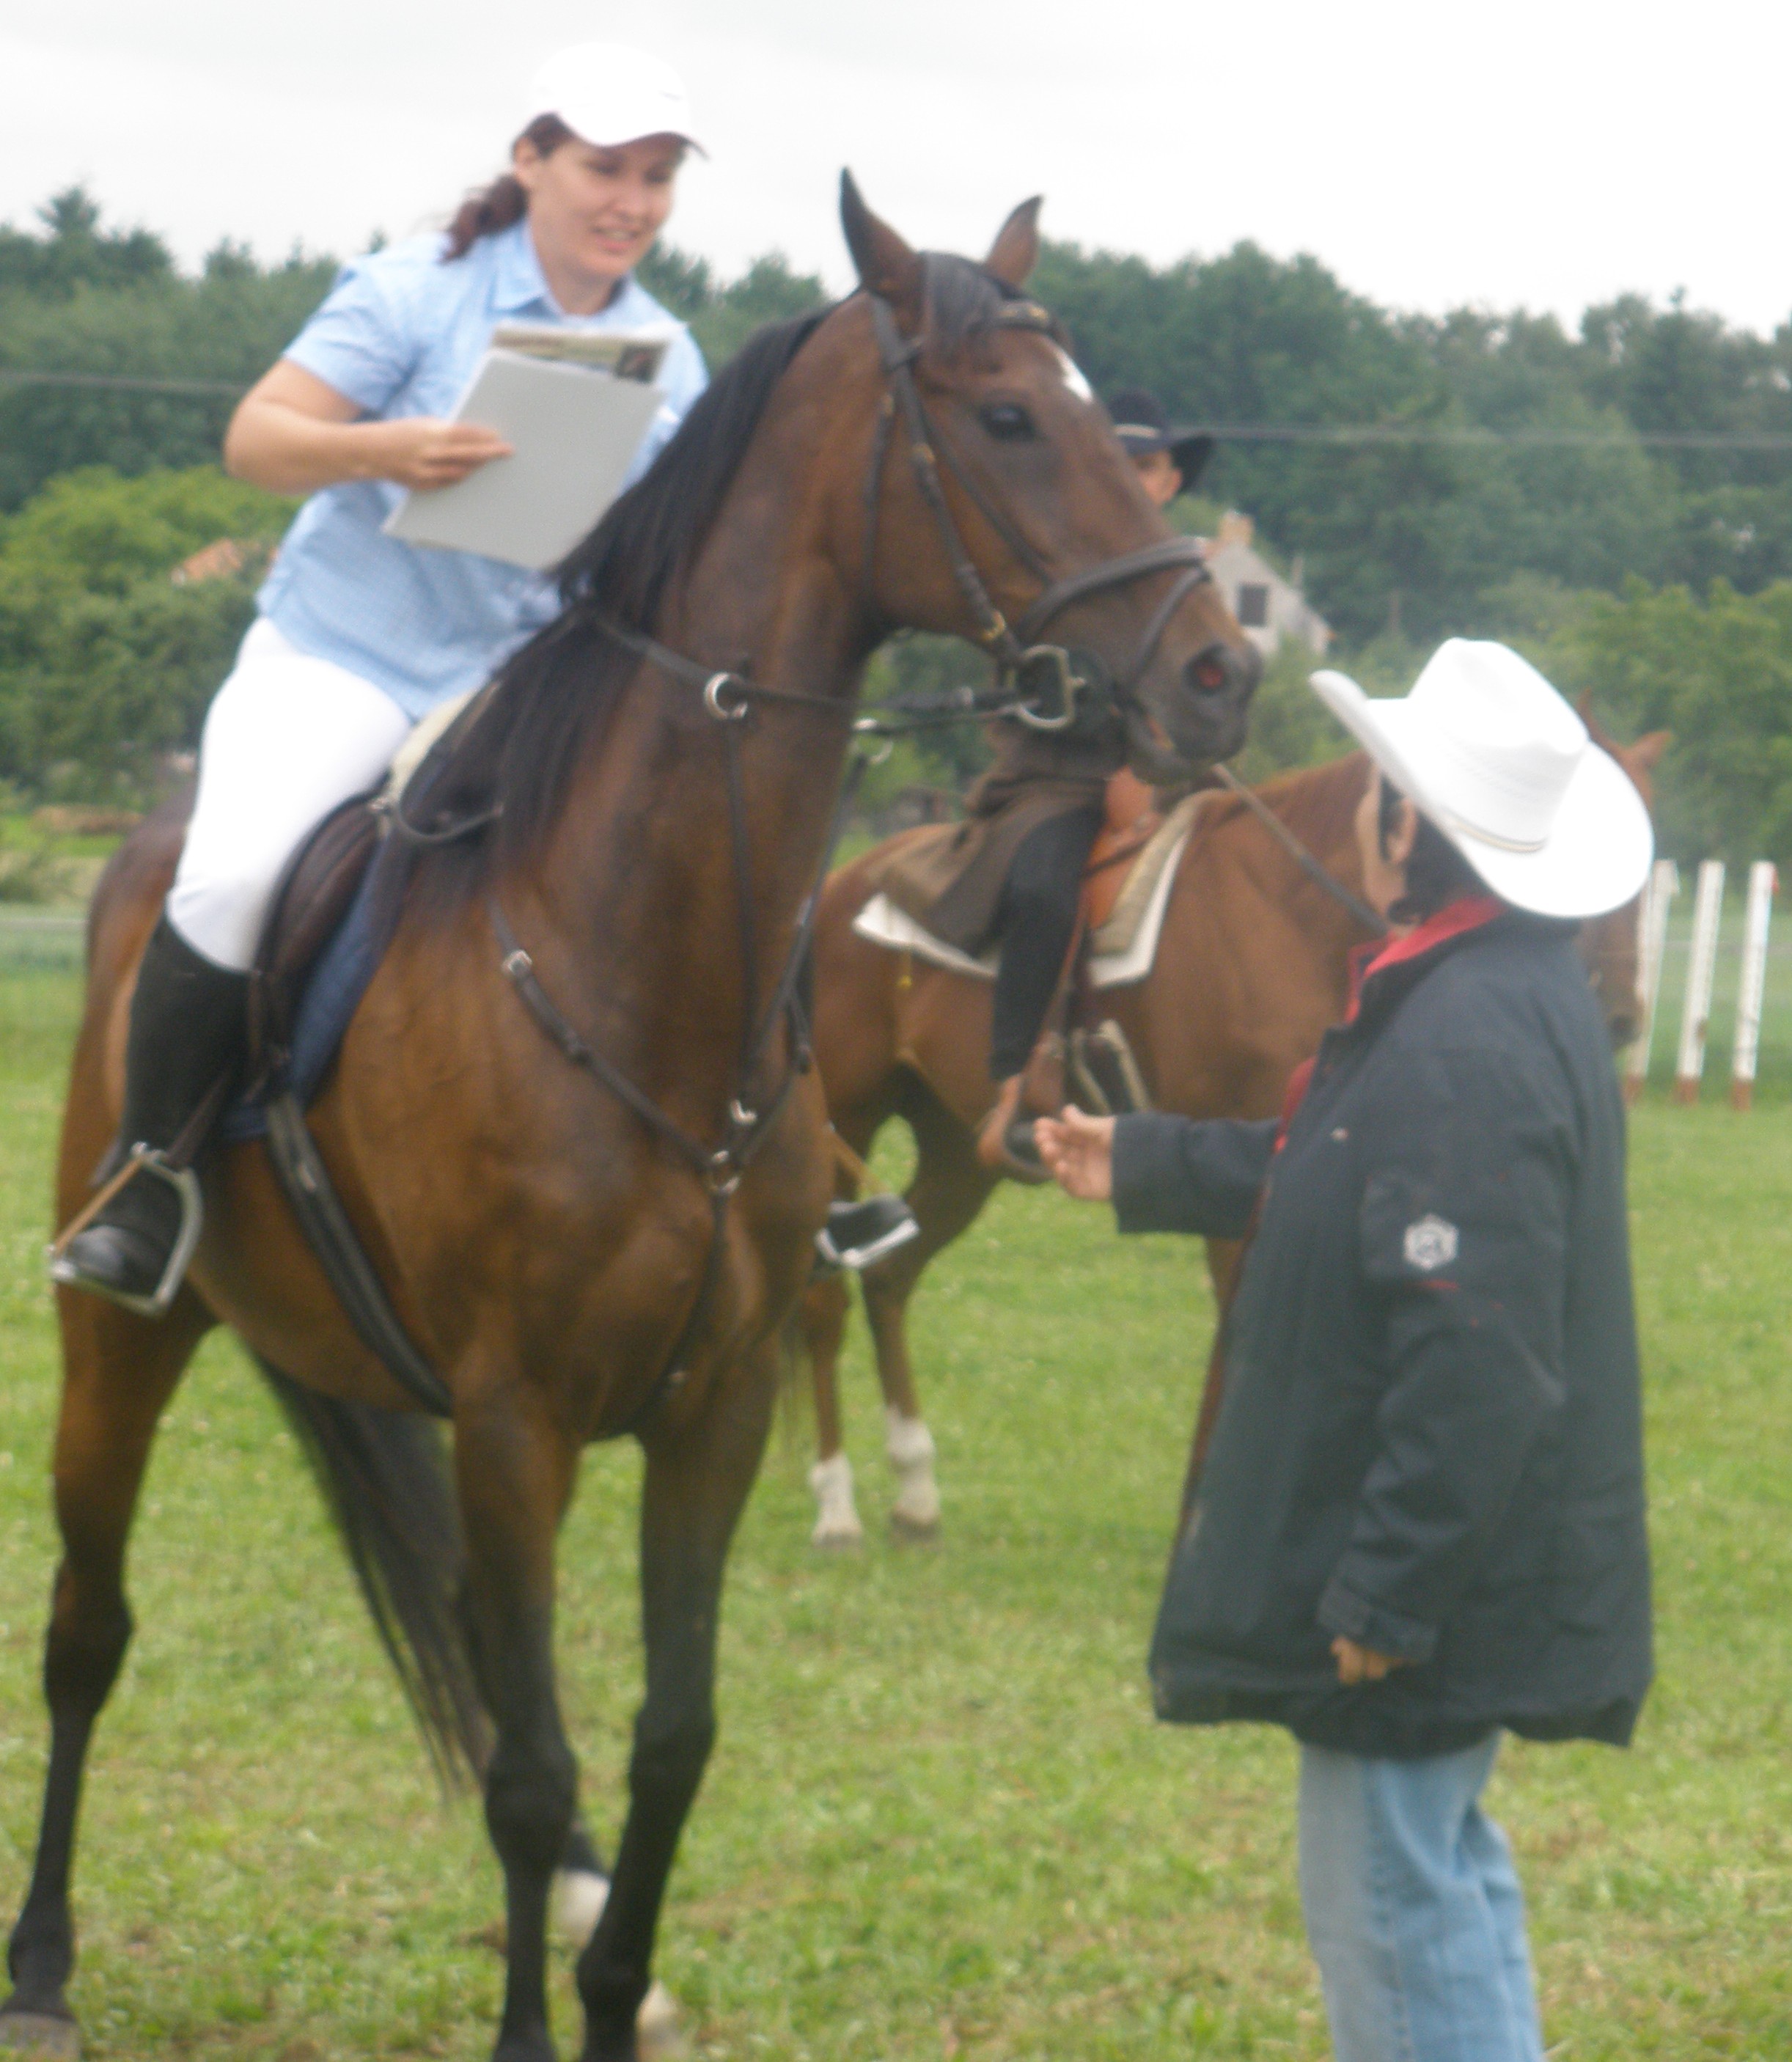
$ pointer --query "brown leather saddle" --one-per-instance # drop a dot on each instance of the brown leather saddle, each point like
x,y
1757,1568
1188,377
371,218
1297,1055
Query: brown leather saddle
x,y
315,895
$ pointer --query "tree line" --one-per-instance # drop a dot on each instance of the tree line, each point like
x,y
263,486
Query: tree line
x,y
1513,490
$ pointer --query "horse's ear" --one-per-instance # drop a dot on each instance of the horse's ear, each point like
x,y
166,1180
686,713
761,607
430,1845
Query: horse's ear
x,y
1595,729
1015,251
885,263
1649,751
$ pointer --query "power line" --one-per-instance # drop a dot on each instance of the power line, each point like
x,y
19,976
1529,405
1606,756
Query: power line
x,y
122,381
1401,433
1351,434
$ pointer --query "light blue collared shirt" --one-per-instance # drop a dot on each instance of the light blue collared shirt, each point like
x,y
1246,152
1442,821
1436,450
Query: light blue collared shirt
x,y
401,334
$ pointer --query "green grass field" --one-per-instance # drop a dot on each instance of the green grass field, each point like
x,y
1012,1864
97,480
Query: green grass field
x,y
941,1821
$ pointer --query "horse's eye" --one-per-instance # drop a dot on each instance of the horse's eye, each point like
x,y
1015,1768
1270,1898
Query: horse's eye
x,y
1007,421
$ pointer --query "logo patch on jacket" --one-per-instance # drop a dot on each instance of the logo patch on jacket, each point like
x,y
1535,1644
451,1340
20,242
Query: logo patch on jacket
x,y
1431,1243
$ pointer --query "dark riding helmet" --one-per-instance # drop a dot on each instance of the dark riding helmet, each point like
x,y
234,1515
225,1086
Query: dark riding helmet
x,y
1143,426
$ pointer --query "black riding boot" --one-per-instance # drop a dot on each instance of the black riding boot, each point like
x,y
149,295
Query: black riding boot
x,y
187,1022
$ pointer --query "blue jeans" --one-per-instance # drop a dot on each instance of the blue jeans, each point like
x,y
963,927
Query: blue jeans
x,y
1414,1910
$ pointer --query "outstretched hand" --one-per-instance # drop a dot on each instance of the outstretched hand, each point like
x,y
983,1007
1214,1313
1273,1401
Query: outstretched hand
x,y
1078,1151
1360,1664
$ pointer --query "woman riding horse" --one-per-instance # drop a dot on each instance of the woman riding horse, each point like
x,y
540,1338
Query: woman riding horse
x,y
359,634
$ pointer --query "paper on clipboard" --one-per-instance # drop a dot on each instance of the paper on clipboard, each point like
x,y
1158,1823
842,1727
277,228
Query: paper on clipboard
x,y
574,429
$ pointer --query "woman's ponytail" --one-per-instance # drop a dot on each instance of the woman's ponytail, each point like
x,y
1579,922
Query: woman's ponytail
x,y
506,200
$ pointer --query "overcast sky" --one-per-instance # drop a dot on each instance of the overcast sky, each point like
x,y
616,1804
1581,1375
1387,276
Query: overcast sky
x,y
1542,153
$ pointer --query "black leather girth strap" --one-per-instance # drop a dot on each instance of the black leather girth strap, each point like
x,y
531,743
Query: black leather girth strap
x,y
306,1182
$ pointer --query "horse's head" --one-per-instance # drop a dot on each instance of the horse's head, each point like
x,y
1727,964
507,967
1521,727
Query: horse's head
x,y
1608,943
1001,507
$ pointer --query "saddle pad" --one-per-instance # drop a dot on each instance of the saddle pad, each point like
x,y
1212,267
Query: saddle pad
x,y
883,924
1114,937
333,990
420,739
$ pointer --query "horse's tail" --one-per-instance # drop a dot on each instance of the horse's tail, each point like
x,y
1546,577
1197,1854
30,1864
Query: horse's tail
x,y
383,1476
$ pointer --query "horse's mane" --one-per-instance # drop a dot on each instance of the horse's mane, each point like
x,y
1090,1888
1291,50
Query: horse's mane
x,y
547,696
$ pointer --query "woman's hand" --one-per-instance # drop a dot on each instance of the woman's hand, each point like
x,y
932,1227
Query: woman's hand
x,y
421,453
1360,1664
293,433
1078,1151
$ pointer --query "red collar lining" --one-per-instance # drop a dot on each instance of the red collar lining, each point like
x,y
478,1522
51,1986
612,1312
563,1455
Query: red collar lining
x,y
1468,913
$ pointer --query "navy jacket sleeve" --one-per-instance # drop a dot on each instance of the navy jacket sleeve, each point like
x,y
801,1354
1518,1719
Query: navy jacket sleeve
x,y
1173,1174
1463,1232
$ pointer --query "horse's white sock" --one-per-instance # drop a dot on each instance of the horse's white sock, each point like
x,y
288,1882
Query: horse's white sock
x,y
909,1445
579,1897
838,1522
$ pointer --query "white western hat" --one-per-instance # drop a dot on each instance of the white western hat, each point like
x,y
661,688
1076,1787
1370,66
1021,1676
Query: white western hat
x,y
611,94
1488,750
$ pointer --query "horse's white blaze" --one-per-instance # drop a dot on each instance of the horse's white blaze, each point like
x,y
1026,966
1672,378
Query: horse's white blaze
x,y
1073,375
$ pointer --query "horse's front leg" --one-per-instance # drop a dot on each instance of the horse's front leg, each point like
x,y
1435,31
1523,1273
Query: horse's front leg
x,y
697,1479
515,1472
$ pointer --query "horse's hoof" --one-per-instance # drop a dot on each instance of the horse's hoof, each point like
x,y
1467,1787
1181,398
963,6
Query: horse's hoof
x,y
39,2036
913,1531
833,1538
579,1897
532,2047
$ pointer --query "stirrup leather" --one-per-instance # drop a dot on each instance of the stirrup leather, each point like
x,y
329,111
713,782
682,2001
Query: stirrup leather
x,y
148,1160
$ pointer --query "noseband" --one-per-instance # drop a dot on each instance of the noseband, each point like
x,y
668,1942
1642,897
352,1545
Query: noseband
x,y
1019,660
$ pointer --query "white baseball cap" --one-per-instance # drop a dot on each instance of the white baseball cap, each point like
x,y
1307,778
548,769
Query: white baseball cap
x,y
1487,749
611,94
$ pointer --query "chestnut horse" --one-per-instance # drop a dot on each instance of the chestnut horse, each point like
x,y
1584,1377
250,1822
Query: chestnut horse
x,y
1252,968
586,1250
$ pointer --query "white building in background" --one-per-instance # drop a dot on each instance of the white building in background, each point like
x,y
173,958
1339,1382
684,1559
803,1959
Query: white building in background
x,y
1268,608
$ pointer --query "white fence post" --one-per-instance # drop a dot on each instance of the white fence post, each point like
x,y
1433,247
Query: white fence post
x,y
1696,1014
1763,881
1652,930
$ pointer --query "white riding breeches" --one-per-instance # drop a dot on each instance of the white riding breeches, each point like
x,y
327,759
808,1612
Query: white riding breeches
x,y
287,738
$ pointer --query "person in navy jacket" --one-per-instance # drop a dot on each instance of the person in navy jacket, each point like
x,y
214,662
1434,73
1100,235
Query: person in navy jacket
x,y
1421,1520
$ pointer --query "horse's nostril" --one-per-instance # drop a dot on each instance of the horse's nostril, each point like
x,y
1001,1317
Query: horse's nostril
x,y
1224,669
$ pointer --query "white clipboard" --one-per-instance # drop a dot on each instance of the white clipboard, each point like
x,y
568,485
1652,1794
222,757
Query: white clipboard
x,y
574,432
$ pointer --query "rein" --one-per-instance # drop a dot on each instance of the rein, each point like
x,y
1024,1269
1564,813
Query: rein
x,y
728,697
1371,921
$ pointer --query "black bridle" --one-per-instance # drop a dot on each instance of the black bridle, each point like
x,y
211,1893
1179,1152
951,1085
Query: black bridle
x,y
728,697
1019,660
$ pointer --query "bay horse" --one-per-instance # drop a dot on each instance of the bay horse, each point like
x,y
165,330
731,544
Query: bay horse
x,y
584,1251
1251,967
